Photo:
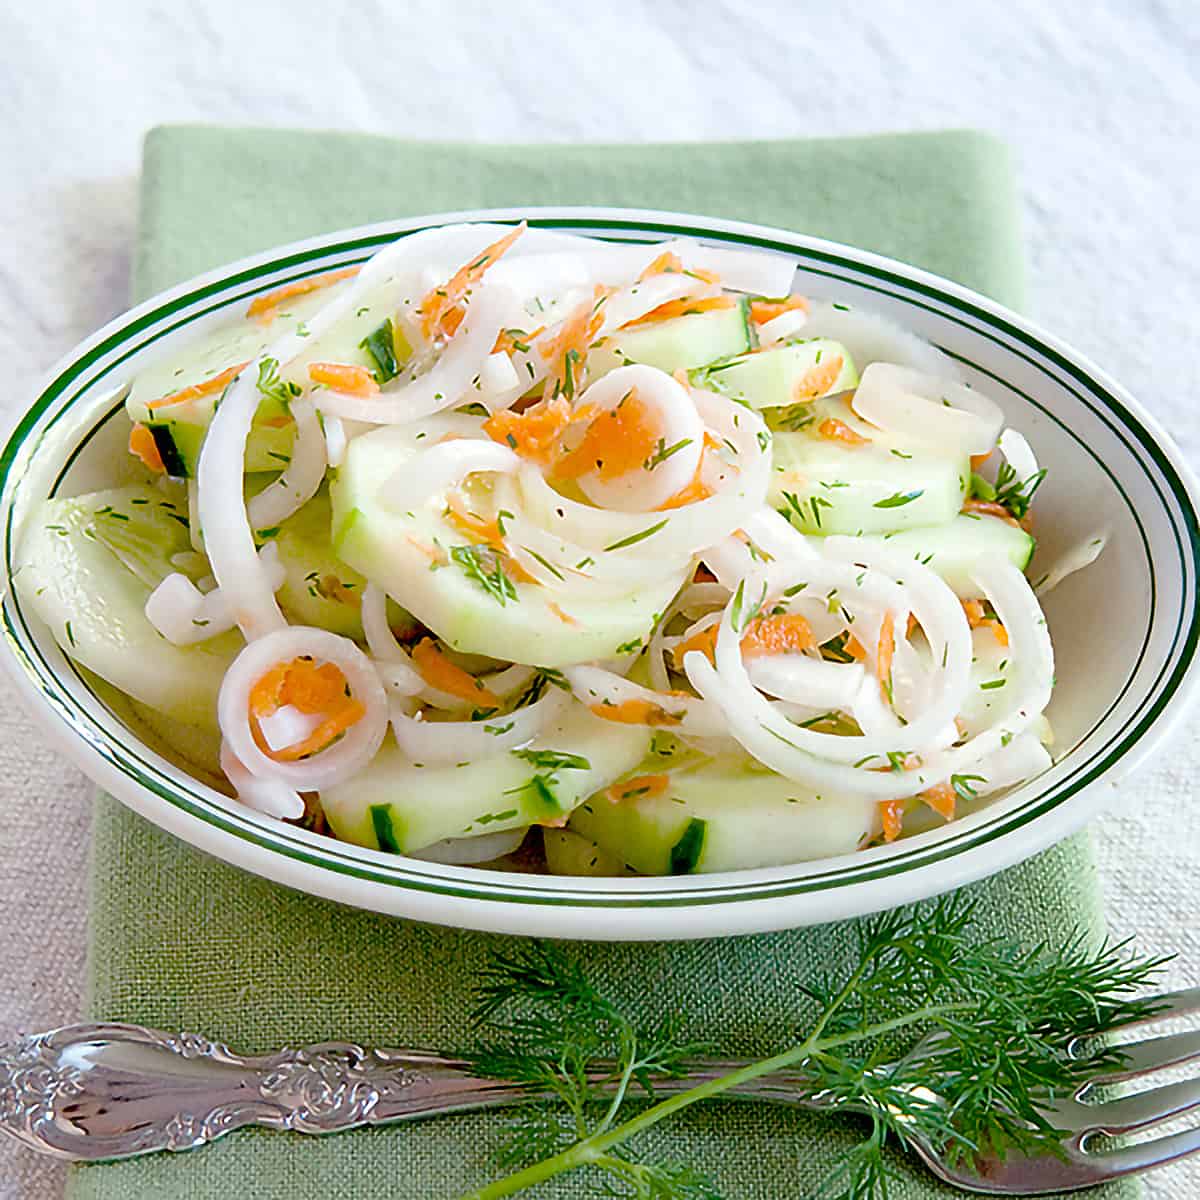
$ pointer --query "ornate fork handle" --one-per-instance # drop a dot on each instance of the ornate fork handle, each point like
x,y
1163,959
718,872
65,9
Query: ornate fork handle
x,y
103,1091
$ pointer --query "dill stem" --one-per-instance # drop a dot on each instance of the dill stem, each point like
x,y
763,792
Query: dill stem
x,y
594,1148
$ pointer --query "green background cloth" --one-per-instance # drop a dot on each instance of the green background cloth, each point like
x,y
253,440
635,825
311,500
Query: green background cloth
x,y
183,941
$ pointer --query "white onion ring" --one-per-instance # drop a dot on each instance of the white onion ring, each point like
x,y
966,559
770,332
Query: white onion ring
x,y
327,767
336,439
424,478
1074,558
392,662
300,480
781,328
594,685
678,422
1018,453
809,681
910,402
871,338
263,795
444,743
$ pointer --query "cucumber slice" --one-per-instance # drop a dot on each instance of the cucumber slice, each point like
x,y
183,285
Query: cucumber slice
x,y
824,486
394,550
86,568
568,853
683,342
268,448
724,815
782,377
955,548
393,804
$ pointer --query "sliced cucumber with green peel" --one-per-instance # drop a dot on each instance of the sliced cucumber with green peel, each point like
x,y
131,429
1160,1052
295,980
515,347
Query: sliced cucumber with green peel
x,y
824,486
797,372
680,343
724,815
569,853
268,448
86,566
956,548
416,558
393,804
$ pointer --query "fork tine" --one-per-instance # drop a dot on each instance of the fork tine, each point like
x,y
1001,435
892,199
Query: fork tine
x,y
1141,1157
1177,1004
1152,1055
1130,1113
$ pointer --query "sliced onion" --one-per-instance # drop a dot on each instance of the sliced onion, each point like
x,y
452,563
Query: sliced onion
x,y
499,385
451,379
678,424
949,415
195,530
779,329
461,852
424,478
263,795
1019,454
871,338
335,440
1022,759
443,743
300,480
645,295
327,767
809,681
392,662
1074,558
287,726
756,272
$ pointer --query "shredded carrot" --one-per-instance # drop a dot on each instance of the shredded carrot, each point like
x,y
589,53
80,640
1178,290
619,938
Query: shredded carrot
x,y
684,307
783,634
507,339
666,263
855,648
704,640
884,655
941,799
977,460
639,786
439,303
263,307
636,712
344,377
204,388
912,624
989,508
479,529
891,813
762,311
311,689
618,441
818,380
142,445
433,553
566,349
439,672
839,431
690,493
977,618
534,433
564,617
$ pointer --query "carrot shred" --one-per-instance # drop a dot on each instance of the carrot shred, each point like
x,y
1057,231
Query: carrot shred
x,y
666,263
566,349
690,493
310,689
142,445
263,307
704,640
333,726
479,529
439,303
977,460
941,799
818,380
681,308
989,508
762,311
204,388
439,672
782,634
636,712
344,377
433,553
977,618
891,814
638,786
564,617
884,655
534,434
839,431
616,442
507,339
855,648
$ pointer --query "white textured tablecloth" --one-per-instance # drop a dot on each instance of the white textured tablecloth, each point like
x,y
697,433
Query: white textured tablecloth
x,y
1100,100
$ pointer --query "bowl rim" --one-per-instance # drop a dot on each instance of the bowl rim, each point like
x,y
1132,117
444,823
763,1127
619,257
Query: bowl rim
x,y
745,901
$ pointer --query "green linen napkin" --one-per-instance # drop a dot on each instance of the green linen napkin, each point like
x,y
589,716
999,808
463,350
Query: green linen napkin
x,y
180,940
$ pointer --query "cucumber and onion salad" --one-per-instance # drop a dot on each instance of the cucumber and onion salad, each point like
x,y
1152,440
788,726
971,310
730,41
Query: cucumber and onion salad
x,y
511,528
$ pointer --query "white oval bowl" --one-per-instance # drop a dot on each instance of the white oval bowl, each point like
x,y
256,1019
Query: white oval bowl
x,y
1125,631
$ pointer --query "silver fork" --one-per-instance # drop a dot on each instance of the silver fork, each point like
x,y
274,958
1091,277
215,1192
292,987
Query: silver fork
x,y
92,1092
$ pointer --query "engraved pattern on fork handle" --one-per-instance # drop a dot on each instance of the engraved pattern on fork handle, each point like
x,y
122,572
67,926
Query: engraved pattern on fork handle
x,y
102,1091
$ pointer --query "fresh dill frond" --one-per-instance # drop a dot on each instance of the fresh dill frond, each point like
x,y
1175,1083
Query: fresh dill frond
x,y
1008,1019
